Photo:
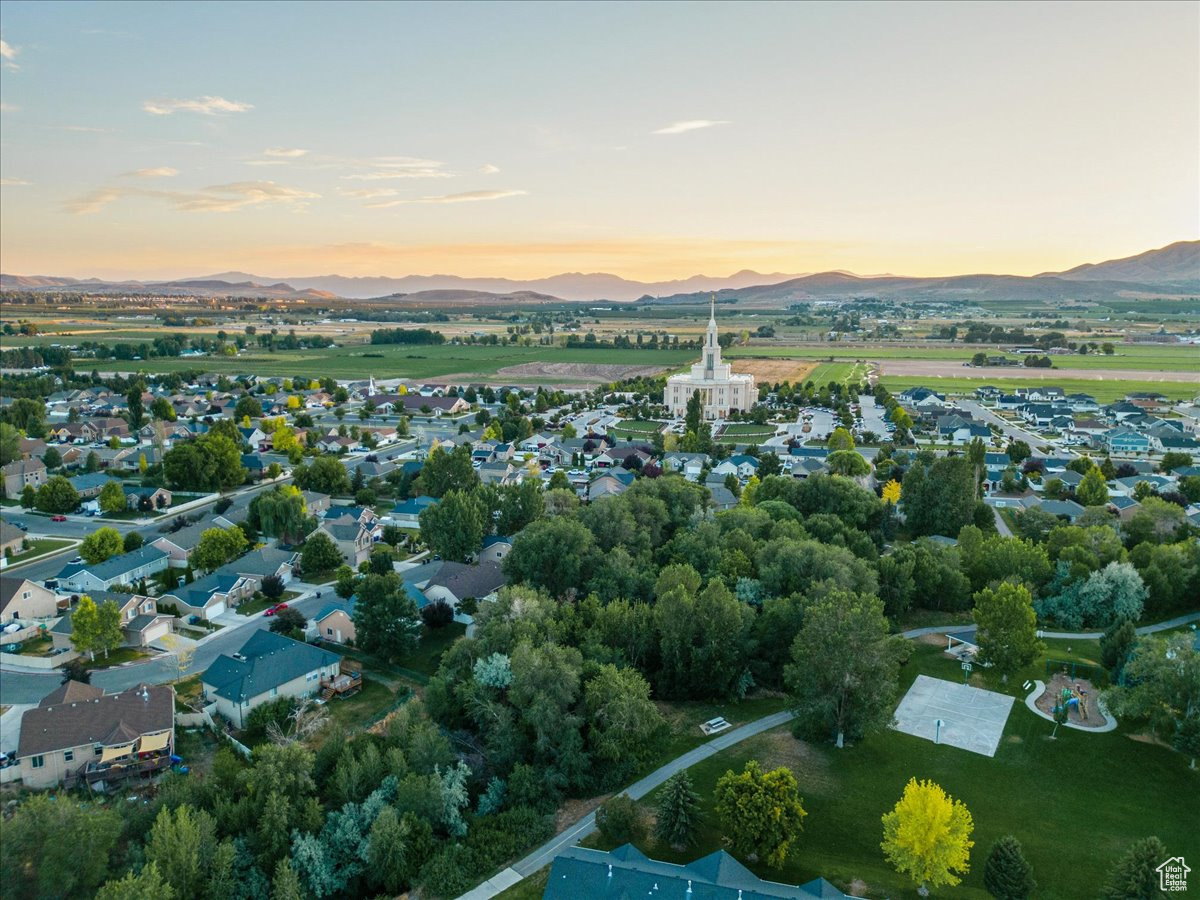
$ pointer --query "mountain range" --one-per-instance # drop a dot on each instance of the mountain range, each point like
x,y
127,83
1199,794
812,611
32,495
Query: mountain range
x,y
1169,271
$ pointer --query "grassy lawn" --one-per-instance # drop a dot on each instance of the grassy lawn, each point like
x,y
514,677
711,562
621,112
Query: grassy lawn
x,y
41,645
187,690
530,888
839,372
254,607
38,547
116,658
367,706
746,430
1075,803
433,644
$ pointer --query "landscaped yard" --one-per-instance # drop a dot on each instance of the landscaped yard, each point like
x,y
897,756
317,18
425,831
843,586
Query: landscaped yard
x,y
38,547
115,658
370,704
254,607
1075,803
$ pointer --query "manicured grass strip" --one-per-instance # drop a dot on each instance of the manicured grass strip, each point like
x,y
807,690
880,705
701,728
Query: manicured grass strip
x,y
115,658
38,547
1104,391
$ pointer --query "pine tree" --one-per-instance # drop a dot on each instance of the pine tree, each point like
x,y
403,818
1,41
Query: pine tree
x,y
1135,875
1008,874
678,807
286,884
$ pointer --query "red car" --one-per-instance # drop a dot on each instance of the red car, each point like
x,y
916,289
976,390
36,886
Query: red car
x,y
58,518
274,609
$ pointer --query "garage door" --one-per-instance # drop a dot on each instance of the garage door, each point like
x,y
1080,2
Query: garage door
x,y
215,610
154,632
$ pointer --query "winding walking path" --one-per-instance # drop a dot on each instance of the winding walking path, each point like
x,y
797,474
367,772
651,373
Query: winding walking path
x,y
584,826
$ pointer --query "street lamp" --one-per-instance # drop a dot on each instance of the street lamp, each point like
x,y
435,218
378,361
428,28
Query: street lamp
x,y
937,735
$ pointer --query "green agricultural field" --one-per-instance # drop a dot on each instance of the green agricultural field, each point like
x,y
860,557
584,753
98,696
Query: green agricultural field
x,y
1167,358
404,361
1075,803
839,372
1104,391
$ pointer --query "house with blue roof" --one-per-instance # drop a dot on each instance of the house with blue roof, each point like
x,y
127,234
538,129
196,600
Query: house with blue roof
x,y
407,513
89,484
125,568
627,872
335,622
267,666
1124,440
495,547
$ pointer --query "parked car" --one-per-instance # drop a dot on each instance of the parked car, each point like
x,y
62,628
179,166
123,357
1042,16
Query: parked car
x,y
77,559
20,525
58,518
275,609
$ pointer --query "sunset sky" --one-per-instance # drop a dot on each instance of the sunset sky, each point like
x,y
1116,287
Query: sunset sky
x,y
654,141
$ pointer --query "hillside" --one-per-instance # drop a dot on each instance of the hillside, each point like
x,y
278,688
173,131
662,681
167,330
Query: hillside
x,y
207,287
1177,262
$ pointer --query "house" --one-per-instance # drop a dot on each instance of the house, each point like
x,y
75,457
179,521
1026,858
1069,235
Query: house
x,y
721,497
315,502
744,467
335,622
455,582
499,473
690,465
146,498
627,872
141,622
80,734
353,540
922,398
263,563
89,484
22,600
350,515
126,568
1064,509
1124,440
415,404
179,544
613,481
12,539
209,597
407,513
336,444
21,472
266,667
495,548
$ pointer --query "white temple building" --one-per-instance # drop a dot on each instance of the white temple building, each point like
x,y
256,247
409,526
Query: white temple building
x,y
721,390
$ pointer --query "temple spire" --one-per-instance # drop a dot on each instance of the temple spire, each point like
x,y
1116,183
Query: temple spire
x,y
712,310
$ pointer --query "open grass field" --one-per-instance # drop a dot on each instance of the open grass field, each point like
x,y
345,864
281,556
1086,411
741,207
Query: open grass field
x,y
839,372
1103,391
1163,357
396,361
1075,802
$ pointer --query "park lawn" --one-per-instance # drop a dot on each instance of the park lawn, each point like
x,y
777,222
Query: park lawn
x,y
398,360
39,547
748,430
530,888
368,706
116,657
1105,391
1075,803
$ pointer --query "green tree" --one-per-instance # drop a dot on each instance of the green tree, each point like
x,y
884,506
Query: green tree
x,y
54,846
325,474
182,843
136,412
101,544
1092,490
445,471
57,495
453,528
845,665
247,407
320,554
620,820
286,884
280,512
555,554
52,459
148,884
1007,874
218,546
85,626
112,498
211,462
385,617
761,814
927,836
622,721
977,456
162,410
1174,459
1006,627
841,440
108,627
1135,875
10,444
27,415
678,812
849,463
1115,646
939,498
1018,451
1162,684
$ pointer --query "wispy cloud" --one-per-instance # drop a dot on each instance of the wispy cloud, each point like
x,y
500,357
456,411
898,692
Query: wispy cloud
x,y
207,106
369,193
8,107
386,168
488,169
14,182
87,129
8,53
285,152
464,197
689,125
217,198
156,172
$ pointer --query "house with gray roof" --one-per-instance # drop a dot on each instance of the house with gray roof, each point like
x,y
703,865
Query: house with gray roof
x,y
627,872
125,568
267,666
455,582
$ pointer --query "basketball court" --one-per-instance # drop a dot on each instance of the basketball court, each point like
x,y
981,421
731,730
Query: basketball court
x,y
947,712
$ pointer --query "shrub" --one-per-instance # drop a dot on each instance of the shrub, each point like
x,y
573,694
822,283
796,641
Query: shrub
x,y
272,587
261,716
621,820
437,614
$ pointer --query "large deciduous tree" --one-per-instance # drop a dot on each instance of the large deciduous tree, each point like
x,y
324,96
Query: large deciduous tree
x,y
843,677
101,544
556,554
927,836
385,617
320,554
211,462
1007,627
112,498
218,546
939,498
325,474
761,813
56,847
445,471
622,721
280,512
57,495
1162,685
454,527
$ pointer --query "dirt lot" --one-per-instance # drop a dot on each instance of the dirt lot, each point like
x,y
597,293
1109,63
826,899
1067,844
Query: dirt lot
x,y
773,370
949,368
584,372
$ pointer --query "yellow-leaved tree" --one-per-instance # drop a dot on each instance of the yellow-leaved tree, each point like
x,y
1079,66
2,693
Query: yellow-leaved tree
x,y
928,836
891,492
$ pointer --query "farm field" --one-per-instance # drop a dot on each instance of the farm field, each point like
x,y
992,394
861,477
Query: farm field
x,y
1080,790
1178,358
404,361
840,372
1105,391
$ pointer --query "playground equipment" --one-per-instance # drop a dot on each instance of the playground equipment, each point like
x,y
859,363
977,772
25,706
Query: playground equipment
x,y
1076,697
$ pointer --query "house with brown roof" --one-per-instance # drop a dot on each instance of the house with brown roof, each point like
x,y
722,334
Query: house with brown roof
x,y
80,734
12,539
23,600
21,472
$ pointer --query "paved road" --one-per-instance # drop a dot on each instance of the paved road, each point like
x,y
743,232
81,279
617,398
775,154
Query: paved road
x,y
1001,525
544,854
1185,619
26,686
1011,431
